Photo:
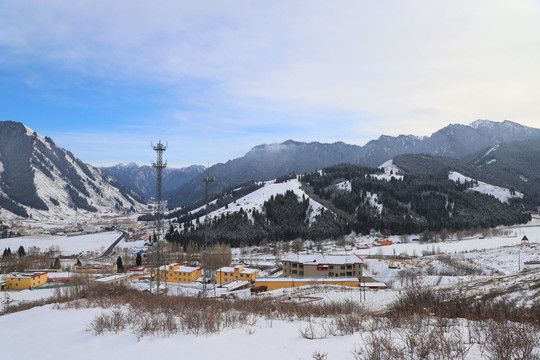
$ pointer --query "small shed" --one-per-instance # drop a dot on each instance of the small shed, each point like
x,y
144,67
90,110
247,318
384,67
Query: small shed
x,y
525,241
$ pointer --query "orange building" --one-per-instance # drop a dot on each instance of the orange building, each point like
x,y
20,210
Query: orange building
x,y
177,273
238,272
25,280
283,282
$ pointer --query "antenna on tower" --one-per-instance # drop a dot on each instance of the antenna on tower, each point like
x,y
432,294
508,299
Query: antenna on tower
x,y
207,272
158,208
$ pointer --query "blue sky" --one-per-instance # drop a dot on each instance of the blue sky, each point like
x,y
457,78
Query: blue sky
x,y
216,78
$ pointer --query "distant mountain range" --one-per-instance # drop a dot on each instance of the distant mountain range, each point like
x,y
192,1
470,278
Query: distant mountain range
x,y
265,162
38,179
142,178
514,165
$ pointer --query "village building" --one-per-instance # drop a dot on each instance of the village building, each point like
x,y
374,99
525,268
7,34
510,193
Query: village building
x,y
24,280
115,279
319,265
139,272
290,282
95,269
225,275
177,273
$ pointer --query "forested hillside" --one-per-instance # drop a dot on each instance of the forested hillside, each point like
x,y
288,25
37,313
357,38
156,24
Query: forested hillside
x,y
359,199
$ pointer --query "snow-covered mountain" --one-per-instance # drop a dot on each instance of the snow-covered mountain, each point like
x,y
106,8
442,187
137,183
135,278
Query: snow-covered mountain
x,y
269,161
142,178
41,180
256,199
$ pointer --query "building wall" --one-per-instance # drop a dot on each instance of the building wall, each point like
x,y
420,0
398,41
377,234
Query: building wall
x,y
20,282
319,270
175,275
223,277
289,283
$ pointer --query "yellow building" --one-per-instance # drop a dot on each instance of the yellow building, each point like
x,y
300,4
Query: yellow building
x,y
3,285
228,274
178,273
25,280
278,283
139,272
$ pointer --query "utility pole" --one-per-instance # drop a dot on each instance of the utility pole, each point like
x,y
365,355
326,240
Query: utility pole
x,y
206,270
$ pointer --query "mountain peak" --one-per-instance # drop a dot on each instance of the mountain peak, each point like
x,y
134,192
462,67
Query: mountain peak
x,y
480,123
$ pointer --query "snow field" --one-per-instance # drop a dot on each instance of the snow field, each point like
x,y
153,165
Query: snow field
x,y
71,245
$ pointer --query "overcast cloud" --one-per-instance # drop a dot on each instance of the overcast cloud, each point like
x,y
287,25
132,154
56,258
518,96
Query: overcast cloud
x,y
231,75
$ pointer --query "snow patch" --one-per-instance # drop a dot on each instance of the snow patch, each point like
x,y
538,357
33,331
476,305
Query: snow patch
x,y
345,185
256,199
390,168
502,194
374,201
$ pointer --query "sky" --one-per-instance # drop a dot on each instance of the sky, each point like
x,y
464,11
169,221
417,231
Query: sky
x,y
213,79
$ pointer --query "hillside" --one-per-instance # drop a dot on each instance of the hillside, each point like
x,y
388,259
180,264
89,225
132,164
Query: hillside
x,y
41,180
512,165
349,198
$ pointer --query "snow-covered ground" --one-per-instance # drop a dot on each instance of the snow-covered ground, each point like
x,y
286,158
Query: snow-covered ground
x,y
67,245
62,334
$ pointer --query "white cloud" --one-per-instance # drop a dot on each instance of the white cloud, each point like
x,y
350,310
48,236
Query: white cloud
x,y
408,67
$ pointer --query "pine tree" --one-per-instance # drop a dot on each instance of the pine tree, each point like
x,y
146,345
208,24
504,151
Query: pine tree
x,y
119,264
21,252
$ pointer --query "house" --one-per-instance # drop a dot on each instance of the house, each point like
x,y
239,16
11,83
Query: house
x,y
3,285
278,283
318,265
25,280
139,272
95,269
115,279
236,285
177,273
227,274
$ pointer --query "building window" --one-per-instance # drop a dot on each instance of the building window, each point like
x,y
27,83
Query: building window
x,y
349,267
342,267
301,273
301,266
349,273
331,273
294,271
331,267
294,265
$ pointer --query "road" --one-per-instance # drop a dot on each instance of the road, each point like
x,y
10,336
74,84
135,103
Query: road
x,y
113,245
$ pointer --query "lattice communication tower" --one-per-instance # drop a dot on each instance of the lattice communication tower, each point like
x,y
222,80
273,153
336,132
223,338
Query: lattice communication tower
x,y
207,272
158,209
159,166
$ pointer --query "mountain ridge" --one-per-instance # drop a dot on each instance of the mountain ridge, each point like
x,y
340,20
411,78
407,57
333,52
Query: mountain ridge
x,y
268,161
39,179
